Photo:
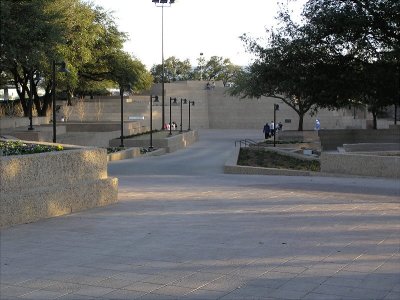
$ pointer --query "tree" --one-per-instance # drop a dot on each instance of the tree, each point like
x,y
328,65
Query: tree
x,y
216,68
367,33
29,35
174,70
345,52
128,73
288,68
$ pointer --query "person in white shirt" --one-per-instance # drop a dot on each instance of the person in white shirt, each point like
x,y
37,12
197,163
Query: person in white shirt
x,y
272,128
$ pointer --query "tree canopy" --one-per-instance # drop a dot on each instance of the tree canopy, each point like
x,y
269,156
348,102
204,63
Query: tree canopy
x,y
344,52
34,33
216,68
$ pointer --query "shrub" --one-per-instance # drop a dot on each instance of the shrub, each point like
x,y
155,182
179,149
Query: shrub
x,y
20,148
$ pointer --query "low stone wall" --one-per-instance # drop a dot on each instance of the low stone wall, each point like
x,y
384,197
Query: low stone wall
x,y
171,144
7,124
132,153
131,127
293,135
331,139
361,164
231,167
332,164
372,147
42,185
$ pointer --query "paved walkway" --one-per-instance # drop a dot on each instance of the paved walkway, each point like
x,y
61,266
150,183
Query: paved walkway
x,y
185,230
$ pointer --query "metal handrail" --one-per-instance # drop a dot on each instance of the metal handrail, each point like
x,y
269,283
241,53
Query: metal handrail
x,y
245,142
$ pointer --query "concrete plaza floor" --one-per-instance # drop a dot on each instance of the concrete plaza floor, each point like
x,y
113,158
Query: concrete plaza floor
x,y
184,230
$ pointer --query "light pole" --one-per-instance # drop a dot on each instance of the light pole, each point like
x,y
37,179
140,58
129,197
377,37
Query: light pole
x,y
190,103
30,102
182,101
276,107
170,114
162,4
151,120
201,66
53,79
121,93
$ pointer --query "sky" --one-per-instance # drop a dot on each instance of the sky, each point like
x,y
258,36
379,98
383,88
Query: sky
x,y
191,27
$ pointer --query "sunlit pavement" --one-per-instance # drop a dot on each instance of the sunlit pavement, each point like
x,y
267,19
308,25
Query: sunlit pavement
x,y
185,230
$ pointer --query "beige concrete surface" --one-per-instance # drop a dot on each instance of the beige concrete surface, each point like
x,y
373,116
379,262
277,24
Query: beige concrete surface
x,y
43,185
184,230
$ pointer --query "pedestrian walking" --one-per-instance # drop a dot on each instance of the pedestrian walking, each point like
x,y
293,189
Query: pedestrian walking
x,y
266,130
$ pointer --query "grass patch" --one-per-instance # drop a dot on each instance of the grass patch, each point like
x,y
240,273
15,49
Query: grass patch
x,y
270,159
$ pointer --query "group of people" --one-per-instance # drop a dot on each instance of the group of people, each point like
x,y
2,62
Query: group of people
x,y
270,129
172,126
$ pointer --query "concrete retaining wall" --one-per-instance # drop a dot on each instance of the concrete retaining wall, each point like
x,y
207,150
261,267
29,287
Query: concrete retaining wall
x,y
171,144
361,164
132,153
231,167
372,147
7,124
331,139
50,184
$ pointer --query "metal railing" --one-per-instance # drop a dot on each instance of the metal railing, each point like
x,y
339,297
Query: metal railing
x,y
245,143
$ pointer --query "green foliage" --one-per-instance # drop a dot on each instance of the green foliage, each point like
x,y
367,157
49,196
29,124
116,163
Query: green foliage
x,y
174,70
20,148
128,73
345,52
216,68
36,32
367,34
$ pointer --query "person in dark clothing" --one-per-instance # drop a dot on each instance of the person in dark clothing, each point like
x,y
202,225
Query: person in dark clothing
x,y
266,130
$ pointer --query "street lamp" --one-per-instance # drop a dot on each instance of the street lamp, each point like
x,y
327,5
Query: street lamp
x,y
276,107
162,4
121,92
201,66
190,103
182,101
30,102
170,114
62,69
151,120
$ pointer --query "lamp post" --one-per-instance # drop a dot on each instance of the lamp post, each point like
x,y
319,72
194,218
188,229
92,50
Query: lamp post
x,y
30,102
201,66
53,79
121,93
151,120
276,107
162,4
182,101
170,114
190,103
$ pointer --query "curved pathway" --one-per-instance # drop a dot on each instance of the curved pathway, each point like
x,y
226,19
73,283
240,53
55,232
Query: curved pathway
x,y
185,230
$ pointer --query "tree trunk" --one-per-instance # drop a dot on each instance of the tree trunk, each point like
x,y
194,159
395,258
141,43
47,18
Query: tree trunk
x,y
301,120
375,121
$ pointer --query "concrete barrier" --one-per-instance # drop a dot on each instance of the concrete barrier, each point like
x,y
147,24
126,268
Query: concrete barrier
x,y
9,124
231,167
293,135
331,139
134,152
161,140
361,164
372,147
42,185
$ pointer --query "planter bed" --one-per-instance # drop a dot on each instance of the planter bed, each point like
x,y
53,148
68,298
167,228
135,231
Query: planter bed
x,y
42,185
